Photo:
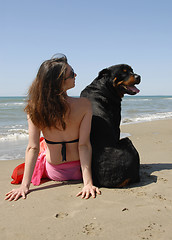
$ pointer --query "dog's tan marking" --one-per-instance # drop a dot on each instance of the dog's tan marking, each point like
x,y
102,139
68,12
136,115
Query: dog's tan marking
x,y
131,81
124,183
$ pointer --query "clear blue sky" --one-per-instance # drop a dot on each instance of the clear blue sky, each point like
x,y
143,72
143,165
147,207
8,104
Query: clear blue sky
x,y
93,34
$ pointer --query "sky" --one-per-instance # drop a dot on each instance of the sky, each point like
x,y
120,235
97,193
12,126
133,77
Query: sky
x,y
93,34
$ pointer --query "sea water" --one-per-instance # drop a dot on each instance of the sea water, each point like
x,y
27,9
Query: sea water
x,y
14,129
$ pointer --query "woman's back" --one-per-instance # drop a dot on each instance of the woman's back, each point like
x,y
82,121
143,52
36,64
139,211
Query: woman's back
x,y
78,108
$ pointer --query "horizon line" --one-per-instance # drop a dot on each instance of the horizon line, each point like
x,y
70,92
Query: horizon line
x,y
144,95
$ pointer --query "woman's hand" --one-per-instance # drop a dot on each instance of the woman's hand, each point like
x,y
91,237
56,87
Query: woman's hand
x,y
89,190
15,194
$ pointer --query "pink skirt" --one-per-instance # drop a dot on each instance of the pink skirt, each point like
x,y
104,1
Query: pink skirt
x,y
61,172
64,171
43,169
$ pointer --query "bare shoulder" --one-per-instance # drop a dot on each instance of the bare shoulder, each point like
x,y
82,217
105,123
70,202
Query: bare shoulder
x,y
85,101
82,103
85,104
81,108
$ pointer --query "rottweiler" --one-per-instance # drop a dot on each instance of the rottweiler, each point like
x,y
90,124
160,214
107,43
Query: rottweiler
x,y
115,161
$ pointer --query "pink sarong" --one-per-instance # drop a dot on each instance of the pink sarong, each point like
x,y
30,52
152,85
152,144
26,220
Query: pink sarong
x,y
43,169
64,171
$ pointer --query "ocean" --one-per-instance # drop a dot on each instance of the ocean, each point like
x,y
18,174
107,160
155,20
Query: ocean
x,y
14,129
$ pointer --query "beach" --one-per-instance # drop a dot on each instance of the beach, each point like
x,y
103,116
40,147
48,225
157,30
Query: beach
x,y
140,211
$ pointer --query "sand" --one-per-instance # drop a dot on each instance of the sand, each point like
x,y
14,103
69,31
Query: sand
x,y
141,211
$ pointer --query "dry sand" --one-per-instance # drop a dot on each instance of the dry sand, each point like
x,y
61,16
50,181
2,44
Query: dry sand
x,y
141,211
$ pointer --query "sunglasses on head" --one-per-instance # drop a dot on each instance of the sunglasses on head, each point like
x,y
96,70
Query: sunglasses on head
x,y
71,75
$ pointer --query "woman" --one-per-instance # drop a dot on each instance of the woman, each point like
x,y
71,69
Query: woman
x,y
65,123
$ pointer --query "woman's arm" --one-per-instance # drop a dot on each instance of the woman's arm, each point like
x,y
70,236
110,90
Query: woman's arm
x,y
85,152
31,155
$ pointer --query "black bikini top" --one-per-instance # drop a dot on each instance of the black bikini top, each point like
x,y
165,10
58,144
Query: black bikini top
x,y
63,146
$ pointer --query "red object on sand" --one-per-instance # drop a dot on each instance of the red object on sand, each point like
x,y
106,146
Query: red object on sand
x,y
17,174
38,173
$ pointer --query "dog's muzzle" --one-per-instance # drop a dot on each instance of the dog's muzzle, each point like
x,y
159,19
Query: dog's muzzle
x,y
137,78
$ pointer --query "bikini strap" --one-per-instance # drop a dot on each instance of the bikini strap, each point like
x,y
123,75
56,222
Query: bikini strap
x,y
64,148
63,151
51,142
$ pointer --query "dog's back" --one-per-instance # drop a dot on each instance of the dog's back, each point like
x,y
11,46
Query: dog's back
x,y
115,162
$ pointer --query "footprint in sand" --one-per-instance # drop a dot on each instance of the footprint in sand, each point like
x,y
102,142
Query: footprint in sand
x,y
61,215
141,194
162,179
152,230
159,196
91,229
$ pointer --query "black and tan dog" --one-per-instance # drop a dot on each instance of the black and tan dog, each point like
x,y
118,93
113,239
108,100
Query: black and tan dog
x,y
115,162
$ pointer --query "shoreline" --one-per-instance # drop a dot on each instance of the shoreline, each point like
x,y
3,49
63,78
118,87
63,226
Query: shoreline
x,y
145,121
22,143
140,211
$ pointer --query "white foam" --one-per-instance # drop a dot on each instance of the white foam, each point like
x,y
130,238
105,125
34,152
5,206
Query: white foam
x,y
11,104
10,157
18,130
136,100
13,137
148,117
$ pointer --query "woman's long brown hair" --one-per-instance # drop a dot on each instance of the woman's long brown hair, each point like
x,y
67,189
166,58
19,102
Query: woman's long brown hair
x,y
47,105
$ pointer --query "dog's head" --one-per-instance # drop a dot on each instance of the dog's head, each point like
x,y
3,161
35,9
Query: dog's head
x,y
122,78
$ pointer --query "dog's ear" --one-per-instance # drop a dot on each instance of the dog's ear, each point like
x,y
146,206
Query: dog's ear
x,y
104,73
